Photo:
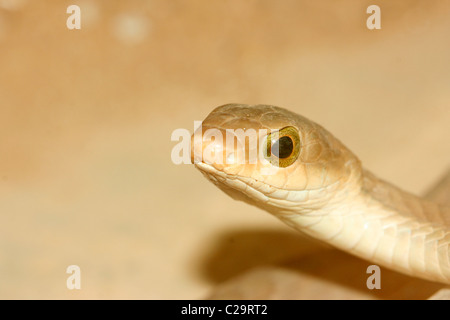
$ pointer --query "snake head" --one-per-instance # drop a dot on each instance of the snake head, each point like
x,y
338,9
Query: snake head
x,y
271,157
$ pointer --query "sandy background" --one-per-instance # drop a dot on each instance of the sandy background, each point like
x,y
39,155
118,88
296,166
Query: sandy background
x,y
86,117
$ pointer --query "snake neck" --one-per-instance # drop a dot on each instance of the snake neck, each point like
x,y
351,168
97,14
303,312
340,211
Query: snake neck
x,y
403,203
386,225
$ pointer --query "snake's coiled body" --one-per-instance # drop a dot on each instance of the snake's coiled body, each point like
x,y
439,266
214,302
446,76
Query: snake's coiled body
x,y
325,192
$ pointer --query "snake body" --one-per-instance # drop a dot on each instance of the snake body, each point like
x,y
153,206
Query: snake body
x,y
325,192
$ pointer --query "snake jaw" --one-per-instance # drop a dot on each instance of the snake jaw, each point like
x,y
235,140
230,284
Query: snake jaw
x,y
270,198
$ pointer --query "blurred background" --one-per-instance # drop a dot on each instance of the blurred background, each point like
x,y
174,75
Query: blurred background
x,y
86,117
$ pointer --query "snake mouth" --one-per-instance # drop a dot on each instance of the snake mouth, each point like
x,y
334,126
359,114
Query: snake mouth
x,y
279,202
236,186
233,184
244,188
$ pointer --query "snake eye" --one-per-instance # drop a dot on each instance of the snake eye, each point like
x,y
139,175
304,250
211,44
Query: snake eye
x,y
283,147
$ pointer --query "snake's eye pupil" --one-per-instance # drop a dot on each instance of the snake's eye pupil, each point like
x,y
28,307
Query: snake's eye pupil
x,y
283,147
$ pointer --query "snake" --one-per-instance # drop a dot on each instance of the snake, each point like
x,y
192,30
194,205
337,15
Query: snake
x,y
310,180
